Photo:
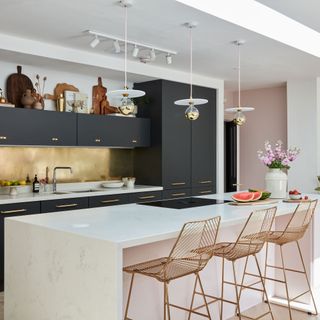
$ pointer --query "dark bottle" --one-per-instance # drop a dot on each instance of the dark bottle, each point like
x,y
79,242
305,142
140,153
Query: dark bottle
x,y
35,185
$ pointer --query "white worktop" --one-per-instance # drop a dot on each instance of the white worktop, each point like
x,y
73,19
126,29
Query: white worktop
x,y
135,224
43,196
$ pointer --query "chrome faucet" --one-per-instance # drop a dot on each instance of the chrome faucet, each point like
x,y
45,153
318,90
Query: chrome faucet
x,y
54,179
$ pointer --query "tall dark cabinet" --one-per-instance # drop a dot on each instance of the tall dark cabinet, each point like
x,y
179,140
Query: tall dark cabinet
x,y
182,156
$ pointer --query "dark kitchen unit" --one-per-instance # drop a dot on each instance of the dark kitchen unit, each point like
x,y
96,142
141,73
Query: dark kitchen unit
x,y
182,156
230,156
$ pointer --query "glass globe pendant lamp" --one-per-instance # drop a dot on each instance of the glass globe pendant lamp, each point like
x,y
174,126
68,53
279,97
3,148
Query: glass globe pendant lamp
x,y
126,95
191,113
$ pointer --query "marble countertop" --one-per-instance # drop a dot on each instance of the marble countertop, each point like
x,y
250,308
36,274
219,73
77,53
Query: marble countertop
x,y
43,196
135,224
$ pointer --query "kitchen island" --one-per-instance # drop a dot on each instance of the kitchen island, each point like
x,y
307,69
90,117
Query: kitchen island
x,y
68,265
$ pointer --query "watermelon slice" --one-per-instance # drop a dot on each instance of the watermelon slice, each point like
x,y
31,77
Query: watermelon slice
x,y
243,196
265,194
256,195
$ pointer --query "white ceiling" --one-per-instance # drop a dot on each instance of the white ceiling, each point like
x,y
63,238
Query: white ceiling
x,y
265,62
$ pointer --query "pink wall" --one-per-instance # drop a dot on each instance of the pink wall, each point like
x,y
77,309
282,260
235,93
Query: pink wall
x,y
267,122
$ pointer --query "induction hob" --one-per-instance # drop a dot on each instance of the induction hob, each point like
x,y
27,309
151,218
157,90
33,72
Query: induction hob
x,y
184,203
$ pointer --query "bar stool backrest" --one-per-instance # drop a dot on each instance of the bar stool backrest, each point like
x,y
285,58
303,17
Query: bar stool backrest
x,y
257,227
194,236
301,218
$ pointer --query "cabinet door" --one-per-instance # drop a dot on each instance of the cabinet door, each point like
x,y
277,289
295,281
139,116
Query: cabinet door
x,y
176,137
112,131
34,127
12,210
204,141
64,204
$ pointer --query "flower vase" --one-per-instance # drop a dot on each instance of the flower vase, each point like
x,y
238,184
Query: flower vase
x,y
276,182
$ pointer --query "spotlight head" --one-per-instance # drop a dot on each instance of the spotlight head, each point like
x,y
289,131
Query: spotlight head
x,y
169,58
94,42
117,46
135,51
152,55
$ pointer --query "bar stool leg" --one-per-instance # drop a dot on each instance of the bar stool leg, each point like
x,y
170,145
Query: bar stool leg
x,y
204,296
264,297
166,301
307,279
242,280
129,297
285,282
236,289
263,286
193,295
222,291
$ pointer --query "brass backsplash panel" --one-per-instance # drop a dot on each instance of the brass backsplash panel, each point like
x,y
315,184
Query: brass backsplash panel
x,y
88,164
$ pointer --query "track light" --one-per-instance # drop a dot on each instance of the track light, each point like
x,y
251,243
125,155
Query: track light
x,y
94,42
135,51
169,58
117,46
152,55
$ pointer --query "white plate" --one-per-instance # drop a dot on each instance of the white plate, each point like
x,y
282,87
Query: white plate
x,y
113,184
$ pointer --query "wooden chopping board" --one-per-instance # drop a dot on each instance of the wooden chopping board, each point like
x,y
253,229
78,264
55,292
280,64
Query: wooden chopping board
x,y
98,93
17,84
255,203
60,88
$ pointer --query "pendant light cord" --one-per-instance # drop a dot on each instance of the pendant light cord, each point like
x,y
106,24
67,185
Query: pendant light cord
x,y
191,62
125,47
239,77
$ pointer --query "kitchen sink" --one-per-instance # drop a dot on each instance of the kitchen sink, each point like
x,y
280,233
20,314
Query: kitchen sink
x,y
60,192
84,191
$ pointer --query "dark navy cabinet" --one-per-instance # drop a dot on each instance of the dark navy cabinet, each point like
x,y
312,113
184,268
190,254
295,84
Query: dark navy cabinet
x,y
182,153
33,127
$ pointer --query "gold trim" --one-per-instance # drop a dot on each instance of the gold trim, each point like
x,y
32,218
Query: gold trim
x,y
13,211
110,201
67,205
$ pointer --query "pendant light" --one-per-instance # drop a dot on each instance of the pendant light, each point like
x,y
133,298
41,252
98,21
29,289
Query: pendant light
x,y
191,113
239,117
126,95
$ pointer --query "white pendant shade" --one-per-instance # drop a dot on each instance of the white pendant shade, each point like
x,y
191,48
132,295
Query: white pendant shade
x,y
126,93
235,109
194,101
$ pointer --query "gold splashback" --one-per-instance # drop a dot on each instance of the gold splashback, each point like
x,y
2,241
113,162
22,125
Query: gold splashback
x,y
88,164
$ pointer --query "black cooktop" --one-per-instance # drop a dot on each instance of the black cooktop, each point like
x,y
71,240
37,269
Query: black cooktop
x,y
184,203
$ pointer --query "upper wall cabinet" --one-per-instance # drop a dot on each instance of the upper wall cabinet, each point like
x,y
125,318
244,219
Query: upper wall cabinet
x,y
34,127
44,128
113,131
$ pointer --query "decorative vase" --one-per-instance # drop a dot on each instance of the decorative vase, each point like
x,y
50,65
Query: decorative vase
x,y
276,182
27,99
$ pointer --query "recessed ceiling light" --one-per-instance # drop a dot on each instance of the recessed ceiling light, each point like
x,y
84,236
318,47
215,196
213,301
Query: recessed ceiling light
x,y
263,20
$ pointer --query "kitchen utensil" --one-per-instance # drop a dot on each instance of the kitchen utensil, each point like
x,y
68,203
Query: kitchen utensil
x,y
113,184
17,84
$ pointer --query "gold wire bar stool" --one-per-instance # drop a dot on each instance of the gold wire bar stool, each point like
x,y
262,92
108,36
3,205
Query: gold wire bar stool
x,y
293,232
249,242
184,259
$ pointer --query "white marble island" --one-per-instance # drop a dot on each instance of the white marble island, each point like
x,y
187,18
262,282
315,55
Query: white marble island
x,y
68,265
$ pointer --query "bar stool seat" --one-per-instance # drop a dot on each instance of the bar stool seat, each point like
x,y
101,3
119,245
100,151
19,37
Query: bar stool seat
x,y
165,269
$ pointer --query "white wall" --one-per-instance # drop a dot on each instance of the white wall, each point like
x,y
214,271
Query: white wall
x,y
303,123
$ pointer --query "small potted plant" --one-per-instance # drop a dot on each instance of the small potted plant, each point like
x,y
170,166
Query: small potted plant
x,y
277,159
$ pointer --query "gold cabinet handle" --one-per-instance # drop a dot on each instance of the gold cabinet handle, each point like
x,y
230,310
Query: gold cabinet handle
x,y
13,211
97,140
67,205
110,201
205,181
205,191
3,138
146,197
178,194
178,183
54,139
134,141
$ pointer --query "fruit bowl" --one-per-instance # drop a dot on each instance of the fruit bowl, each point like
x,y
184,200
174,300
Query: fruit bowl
x,y
295,196
113,184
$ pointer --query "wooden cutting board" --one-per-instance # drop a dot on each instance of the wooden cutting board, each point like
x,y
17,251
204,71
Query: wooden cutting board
x,y
17,84
98,95
255,203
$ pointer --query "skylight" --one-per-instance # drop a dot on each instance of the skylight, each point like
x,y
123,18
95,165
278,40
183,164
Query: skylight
x,y
261,19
